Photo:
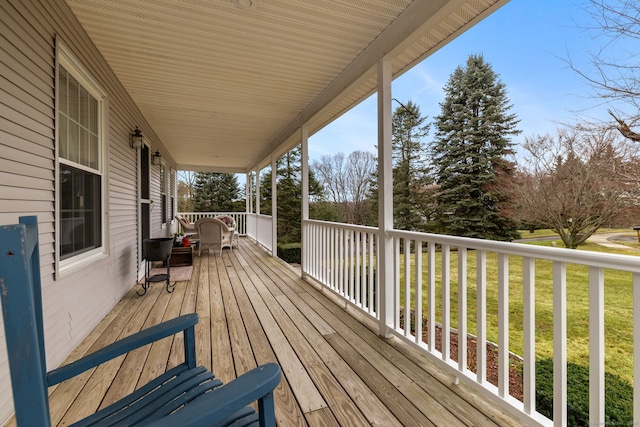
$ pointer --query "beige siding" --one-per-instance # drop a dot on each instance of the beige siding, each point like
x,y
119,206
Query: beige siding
x,y
74,303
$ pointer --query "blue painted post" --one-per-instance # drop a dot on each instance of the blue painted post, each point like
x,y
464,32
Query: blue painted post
x,y
22,313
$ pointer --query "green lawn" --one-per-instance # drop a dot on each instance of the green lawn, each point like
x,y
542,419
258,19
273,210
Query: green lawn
x,y
618,307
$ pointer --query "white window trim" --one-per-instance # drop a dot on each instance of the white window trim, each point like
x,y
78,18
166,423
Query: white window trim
x,y
65,58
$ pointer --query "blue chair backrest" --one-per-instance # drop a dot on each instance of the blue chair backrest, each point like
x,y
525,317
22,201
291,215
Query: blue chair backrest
x,y
21,296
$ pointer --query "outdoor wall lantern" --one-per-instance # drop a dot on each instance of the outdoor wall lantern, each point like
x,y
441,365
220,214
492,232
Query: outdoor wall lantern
x,y
135,139
155,158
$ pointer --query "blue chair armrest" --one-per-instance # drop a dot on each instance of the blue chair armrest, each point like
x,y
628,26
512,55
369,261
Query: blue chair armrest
x,y
218,404
125,345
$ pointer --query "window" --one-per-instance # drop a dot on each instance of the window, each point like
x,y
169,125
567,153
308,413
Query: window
x,y
163,193
172,192
80,155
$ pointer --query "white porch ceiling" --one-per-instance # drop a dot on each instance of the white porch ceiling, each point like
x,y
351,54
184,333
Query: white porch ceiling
x,y
223,86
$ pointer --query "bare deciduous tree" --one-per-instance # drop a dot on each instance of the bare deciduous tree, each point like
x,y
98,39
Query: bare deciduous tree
x,y
614,70
186,183
346,182
575,182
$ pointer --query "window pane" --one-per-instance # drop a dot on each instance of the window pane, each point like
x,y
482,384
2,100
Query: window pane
x,y
80,211
78,117
73,99
84,147
83,106
93,115
64,136
163,203
63,102
73,143
163,180
93,150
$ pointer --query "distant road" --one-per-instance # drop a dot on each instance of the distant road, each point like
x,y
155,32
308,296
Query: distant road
x,y
602,239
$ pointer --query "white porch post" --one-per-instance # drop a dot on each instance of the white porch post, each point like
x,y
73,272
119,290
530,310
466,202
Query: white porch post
x,y
258,192
304,136
247,191
385,198
274,207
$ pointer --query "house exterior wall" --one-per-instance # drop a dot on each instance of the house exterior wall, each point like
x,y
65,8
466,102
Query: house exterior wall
x,y
73,303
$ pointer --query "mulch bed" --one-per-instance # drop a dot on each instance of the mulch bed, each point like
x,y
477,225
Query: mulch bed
x,y
515,366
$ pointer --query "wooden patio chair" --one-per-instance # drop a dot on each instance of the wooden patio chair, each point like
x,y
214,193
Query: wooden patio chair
x,y
186,395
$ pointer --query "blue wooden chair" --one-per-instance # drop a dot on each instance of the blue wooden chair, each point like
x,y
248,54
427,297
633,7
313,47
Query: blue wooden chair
x,y
186,395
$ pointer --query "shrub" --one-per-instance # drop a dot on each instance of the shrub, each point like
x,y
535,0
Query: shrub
x,y
618,395
290,252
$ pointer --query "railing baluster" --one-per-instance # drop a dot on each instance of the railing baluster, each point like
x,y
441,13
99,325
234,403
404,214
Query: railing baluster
x,y
636,349
352,266
431,297
396,282
596,346
407,287
559,343
462,309
340,260
334,269
481,316
529,344
313,250
373,292
445,333
418,281
503,324
325,254
358,254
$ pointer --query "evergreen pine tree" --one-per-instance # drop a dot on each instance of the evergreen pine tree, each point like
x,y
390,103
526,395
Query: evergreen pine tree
x,y
469,152
216,192
409,171
289,193
410,176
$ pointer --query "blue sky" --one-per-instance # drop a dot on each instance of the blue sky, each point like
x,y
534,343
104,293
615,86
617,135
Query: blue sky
x,y
527,42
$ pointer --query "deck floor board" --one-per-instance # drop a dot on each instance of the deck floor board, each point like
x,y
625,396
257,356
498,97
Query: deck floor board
x,y
254,309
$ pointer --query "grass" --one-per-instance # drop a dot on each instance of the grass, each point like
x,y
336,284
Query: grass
x,y
618,307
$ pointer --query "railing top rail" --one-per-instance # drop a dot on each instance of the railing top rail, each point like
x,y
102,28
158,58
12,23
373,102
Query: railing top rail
x,y
596,259
363,228
261,215
213,212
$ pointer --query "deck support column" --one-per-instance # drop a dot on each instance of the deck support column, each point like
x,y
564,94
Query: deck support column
x,y
258,192
274,206
385,199
304,149
248,193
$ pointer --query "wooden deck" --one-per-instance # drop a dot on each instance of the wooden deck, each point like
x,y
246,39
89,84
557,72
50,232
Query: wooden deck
x,y
254,309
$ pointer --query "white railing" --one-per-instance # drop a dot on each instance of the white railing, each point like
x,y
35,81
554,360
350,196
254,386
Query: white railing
x,y
259,228
449,284
239,217
342,257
